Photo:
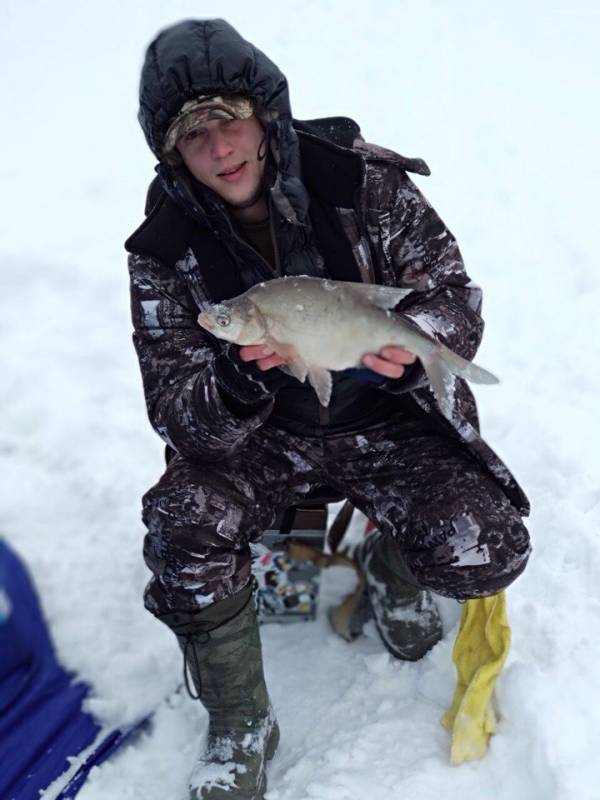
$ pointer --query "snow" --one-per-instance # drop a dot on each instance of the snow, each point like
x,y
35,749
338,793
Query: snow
x,y
500,101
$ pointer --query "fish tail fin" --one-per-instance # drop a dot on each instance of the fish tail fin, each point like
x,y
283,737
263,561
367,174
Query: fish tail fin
x,y
462,368
441,366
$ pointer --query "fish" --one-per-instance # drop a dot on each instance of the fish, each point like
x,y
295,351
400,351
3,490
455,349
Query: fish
x,y
319,325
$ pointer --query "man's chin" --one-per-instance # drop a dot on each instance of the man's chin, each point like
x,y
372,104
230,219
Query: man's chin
x,y
251,200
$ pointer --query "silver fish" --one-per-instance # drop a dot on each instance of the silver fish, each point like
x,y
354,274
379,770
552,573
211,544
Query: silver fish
x,y
318,325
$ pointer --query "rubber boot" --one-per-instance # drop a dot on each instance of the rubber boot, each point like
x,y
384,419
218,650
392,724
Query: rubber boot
x,y
222,651
405,614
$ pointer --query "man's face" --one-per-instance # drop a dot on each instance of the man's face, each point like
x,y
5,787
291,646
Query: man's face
x,y
222,154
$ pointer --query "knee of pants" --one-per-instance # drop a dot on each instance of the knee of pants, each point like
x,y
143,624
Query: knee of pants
x,y
481,560
194,547
213,514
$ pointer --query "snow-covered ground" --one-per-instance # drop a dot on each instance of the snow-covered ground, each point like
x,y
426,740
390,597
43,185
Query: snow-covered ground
x,y
502,102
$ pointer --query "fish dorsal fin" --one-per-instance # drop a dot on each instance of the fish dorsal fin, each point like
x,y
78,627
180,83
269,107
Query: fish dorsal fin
x,y
320,380
381,296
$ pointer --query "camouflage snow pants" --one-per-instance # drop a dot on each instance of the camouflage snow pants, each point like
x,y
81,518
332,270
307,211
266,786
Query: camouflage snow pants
x,y
458,532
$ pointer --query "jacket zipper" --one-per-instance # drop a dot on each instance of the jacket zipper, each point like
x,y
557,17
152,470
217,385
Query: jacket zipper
x,y
269,272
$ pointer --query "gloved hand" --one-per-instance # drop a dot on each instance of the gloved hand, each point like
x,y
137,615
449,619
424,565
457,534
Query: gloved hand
x,y
408,381
364,375
244,381
380,369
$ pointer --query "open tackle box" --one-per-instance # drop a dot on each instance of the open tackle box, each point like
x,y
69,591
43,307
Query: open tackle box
x,y
287,563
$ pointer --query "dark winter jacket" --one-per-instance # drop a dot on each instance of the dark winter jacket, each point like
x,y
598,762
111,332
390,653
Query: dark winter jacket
x,y
341,208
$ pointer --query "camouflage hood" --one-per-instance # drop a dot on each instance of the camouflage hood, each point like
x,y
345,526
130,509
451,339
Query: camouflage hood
x,y
209,57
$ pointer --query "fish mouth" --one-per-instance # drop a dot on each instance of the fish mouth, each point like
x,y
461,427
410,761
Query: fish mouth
x,y
205,321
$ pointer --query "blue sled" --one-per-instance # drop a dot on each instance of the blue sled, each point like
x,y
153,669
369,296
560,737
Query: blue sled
x,y
42,724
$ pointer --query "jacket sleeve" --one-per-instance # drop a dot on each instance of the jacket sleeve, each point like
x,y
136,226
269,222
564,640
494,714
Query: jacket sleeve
x,y
176,356
420,252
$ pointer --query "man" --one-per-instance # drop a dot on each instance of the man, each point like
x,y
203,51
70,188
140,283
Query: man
x,y
245,193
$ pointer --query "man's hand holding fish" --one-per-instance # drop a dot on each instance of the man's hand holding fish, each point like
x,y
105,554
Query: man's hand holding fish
x,y
389,362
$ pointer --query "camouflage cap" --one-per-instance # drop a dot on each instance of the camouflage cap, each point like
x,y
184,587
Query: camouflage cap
x,y
203,109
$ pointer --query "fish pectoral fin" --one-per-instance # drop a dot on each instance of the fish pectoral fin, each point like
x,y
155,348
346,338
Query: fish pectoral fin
x,y
297,367
381,296
320,379
294,362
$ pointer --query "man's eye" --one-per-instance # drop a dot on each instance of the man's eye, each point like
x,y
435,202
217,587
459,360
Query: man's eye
x,y
193,134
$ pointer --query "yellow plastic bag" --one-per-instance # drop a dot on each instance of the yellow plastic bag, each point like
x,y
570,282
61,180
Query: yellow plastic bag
x,y
480,649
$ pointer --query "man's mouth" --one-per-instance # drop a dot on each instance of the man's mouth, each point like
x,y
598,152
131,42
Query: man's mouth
x,y
232,173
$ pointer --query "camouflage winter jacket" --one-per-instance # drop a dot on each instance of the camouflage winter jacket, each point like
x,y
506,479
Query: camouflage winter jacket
x,y
394,237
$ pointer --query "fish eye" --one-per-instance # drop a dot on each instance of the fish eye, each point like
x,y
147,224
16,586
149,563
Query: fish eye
x,y
223,320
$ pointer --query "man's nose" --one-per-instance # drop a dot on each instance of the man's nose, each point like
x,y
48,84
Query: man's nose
x,y
220,147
